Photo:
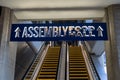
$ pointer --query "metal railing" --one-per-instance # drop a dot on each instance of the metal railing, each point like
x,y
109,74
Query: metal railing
x,y
62,59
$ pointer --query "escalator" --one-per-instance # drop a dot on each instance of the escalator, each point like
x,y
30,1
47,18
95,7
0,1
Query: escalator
x,y
77,66
77,69
48,70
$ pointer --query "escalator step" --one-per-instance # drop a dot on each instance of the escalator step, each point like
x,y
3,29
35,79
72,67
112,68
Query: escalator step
x,y
78,72
79,78
47,72
48,64
48,69
81,75
77,66
46,76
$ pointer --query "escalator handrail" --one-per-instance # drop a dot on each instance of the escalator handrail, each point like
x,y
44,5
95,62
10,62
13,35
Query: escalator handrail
x,y
67,64
59,60
91,62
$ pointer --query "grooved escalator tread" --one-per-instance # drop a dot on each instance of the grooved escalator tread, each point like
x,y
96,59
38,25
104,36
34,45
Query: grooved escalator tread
x,y
48,70
77,66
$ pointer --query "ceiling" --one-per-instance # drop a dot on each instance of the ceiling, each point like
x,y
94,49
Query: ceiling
x,y
57,9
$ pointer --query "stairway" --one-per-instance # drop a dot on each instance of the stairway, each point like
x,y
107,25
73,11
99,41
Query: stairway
x,y
77,66
48,70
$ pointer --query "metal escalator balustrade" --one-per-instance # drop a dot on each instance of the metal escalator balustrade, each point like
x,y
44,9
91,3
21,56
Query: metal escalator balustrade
x,y
48,70
77,66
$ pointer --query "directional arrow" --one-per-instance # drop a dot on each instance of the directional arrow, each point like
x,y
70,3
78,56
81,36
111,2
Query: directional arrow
x,y
100,30
17,32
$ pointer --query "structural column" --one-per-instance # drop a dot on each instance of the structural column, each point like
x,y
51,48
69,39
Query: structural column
x,y
112,46
7,48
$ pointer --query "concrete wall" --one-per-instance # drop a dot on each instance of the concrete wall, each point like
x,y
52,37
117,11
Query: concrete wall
x,y
7,49
112,46
91,43
116,10
24,58
37,45
96,47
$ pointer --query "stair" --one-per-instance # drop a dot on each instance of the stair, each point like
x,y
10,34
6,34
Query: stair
x,y
77,66
48,70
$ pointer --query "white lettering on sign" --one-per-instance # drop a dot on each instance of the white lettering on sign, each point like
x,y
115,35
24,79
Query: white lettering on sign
x,y
58,31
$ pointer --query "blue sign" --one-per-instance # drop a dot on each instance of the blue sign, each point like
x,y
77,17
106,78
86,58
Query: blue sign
x,y
58,32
